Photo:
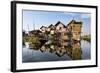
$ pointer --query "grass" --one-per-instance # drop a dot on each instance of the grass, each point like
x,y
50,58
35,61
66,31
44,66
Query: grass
x,y
31,38
86,38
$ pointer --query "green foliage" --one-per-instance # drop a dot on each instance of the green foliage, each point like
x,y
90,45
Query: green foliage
x,y
32,39
86,37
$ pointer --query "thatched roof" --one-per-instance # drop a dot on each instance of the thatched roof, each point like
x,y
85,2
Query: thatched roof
x,y
74,22
42,27
51,26
35,31
59,22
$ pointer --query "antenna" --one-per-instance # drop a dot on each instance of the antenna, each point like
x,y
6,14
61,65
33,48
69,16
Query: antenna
x,y
33,23
28,28
73,18
81,18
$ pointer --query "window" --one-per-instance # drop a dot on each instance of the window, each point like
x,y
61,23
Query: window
x,y
60,28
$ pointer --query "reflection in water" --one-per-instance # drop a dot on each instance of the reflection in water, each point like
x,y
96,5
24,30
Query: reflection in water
x,y
52,51
60,49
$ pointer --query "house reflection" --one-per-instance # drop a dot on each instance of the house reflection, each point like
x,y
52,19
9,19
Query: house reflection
x,y
72,49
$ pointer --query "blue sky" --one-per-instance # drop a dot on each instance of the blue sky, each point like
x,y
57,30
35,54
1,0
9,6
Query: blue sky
x,y
35,19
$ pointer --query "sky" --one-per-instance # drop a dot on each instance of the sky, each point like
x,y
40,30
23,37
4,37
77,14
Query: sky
x,y
36,19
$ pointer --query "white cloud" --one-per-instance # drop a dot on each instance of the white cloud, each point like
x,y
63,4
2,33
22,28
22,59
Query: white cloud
x,y
82,15
85,16
70,13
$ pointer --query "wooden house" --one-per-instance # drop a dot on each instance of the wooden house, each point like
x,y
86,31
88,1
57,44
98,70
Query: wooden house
x,y
43,29
60,27
52,29
62,30
75,29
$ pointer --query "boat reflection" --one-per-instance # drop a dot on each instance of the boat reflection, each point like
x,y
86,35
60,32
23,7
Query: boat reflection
x,y
72,49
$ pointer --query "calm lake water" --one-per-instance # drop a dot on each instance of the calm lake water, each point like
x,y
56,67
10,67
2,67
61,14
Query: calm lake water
x,y
56,52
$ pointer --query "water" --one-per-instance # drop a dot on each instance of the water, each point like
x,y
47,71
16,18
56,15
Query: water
x,y
57,52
